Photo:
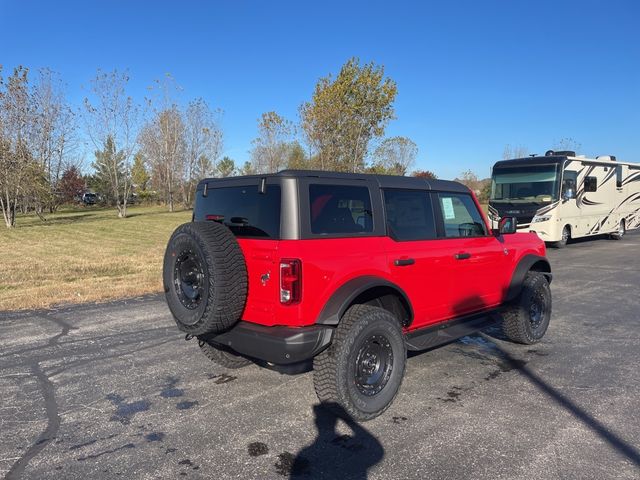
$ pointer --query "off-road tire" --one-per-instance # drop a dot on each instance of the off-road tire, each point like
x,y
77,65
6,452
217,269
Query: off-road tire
x,y
519,323
564,239
222,278
223,357
335,369
622,229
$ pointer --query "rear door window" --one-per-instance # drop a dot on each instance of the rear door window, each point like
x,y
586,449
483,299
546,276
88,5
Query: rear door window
x,y
460,216
340,209
246,211
409,215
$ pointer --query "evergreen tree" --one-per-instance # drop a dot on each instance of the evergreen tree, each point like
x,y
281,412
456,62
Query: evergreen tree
x,y
110,171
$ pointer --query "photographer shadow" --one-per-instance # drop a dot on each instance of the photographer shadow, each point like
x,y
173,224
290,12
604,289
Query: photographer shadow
x,y
334,455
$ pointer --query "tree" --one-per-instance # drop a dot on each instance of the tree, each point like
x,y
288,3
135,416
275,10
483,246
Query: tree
x,y
247,169
428,174
226,167
567,143
71,184
203,143
395,156
21,178
139,175
518,151
470,179
54,134
111,173
297,158
345,113
111,116
163,141
271,147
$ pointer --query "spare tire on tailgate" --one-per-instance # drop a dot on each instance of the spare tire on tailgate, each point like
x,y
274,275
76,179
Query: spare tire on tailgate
x,y
205,278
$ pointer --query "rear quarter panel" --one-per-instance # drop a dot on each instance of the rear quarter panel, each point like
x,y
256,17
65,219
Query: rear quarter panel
x,y
326,265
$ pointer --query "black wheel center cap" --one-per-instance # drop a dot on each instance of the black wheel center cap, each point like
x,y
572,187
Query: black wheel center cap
x,y
188,278
374,364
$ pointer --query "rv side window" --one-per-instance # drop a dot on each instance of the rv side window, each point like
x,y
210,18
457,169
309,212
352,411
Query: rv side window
x,y
590,184
619,176
569,181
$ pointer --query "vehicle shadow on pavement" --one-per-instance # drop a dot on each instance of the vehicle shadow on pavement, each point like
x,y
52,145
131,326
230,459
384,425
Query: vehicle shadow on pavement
x,y
617,443
494,335
334,455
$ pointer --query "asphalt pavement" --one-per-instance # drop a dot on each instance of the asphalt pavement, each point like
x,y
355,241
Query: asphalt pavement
x,y
114,391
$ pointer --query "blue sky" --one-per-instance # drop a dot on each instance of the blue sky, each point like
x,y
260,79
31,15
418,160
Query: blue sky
x,y
472,76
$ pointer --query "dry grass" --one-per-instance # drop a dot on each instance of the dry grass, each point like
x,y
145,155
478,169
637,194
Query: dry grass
x,y
85,255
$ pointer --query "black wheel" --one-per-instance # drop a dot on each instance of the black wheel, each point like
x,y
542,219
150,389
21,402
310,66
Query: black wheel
x,y
205,278
222,356
362,369
622,229
527,320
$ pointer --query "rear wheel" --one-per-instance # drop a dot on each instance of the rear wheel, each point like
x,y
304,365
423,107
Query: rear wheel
x,y
564,239
223,357
363,368
527,319
622,229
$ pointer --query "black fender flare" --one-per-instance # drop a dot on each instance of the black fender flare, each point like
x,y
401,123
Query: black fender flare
x,y
524,266
344,296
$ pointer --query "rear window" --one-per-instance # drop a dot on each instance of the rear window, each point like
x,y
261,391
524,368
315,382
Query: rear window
x,y
244,210
342,209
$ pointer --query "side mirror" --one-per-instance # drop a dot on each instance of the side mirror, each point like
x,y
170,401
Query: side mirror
x,y
568,194
507,225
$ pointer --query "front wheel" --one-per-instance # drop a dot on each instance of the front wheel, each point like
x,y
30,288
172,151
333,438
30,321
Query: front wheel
x,y
564,239
527,319
363,368
620,232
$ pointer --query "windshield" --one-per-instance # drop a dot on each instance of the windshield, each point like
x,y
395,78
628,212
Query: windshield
x,y
526,184
246,211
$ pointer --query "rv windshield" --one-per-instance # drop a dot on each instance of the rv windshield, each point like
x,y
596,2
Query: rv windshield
x,y
525,184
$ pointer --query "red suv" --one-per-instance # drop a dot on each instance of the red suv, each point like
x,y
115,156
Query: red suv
x,y
349,270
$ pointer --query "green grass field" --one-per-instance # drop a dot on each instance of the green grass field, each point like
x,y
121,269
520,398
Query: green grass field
x,y
84,255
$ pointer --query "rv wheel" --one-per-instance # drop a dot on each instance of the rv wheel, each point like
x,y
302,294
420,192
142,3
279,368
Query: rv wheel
x,y
566,236
621,231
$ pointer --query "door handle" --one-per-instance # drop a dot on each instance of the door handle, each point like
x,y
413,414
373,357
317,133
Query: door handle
x,y
462,256
403,262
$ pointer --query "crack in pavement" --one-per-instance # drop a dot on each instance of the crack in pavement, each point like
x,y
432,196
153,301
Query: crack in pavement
x,y
16,353
47,389
53,423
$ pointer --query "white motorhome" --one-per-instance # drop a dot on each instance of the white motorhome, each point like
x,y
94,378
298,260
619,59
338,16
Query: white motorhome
x,y
561,196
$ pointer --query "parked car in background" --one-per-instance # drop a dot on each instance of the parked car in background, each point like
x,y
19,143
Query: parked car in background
x,y
89,198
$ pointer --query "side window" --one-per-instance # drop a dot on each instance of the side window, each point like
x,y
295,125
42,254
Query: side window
x,y
409,215
340,209
590,184
619,176
569,181
460,216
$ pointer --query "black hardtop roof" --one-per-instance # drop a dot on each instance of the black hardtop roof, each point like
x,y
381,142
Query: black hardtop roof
x,y
383,181
537,160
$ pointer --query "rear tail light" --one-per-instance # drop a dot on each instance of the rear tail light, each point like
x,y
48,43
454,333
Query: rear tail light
x,y
290,281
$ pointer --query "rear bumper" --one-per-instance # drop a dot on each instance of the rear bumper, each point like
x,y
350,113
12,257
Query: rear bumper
x,y
278,345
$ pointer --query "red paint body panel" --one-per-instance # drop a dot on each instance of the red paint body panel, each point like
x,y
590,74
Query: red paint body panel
x,y
439,286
